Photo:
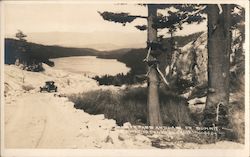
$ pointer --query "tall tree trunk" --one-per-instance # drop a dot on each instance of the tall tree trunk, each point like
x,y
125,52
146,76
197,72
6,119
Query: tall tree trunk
x,y
154,115
219,47
171,56
166,58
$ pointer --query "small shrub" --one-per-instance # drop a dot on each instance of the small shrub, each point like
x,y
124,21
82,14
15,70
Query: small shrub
x,y
236,113
119,79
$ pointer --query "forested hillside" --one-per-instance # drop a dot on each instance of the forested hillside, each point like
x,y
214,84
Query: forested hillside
x,y
44,53
41,52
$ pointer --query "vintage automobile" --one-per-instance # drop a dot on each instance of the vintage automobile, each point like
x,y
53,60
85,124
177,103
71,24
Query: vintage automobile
x,y
49,87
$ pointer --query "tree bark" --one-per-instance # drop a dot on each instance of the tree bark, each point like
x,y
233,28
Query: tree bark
x,y
154,115
219,47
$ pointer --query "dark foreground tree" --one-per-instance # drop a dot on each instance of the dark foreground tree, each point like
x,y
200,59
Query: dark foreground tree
x,y
25,58
221,21
154,116
219,48
21,58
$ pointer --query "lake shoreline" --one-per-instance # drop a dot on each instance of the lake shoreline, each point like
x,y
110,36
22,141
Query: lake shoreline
x,y
91,65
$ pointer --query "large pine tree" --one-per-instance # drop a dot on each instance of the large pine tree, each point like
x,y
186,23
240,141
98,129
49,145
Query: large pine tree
x,y
219,48
154,116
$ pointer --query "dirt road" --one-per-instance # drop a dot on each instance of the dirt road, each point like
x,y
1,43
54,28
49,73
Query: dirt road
x,y
32,120
42,120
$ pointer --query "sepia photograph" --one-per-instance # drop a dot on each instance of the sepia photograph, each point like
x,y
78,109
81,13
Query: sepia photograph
x,y
127,78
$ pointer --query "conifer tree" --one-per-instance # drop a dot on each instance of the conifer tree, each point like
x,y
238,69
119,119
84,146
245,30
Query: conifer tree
x,y
21,36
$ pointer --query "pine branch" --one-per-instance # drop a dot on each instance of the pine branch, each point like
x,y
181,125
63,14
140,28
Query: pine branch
x,y
141,27
119,17
185,14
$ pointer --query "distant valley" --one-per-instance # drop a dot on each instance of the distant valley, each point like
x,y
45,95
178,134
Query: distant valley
x,y
130,56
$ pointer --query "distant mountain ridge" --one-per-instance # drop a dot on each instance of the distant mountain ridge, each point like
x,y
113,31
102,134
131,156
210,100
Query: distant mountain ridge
x,y
103,42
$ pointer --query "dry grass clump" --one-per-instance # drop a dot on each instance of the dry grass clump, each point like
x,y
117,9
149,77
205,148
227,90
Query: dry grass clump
x,y
236,112
237,122
130,105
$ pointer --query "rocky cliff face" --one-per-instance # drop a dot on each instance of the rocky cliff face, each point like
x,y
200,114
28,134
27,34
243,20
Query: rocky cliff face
x,y
191,64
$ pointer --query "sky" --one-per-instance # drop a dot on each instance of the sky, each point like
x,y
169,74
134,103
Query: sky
x,y
79,24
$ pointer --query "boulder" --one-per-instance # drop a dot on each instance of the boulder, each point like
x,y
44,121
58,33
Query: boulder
x,y
127,125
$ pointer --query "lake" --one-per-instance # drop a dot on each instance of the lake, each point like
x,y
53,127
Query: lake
x,y
90,65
